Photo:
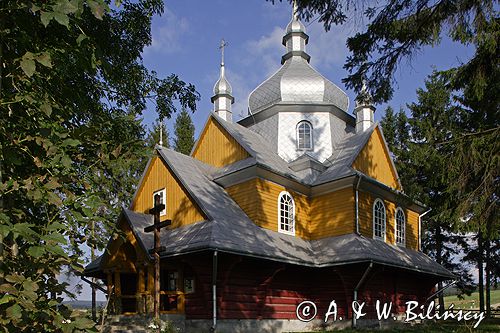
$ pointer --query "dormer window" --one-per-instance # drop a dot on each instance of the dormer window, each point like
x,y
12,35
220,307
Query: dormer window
x,y
379,220
163,200
304,135
286,213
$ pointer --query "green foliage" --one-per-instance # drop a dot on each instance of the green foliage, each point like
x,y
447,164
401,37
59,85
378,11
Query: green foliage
x,y
72,88
184,133
400,29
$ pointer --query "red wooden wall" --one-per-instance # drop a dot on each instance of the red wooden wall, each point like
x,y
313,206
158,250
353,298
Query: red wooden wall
x,y
249,288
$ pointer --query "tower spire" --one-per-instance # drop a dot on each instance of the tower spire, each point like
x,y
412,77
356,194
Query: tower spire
x,y
161,133
295,39
364,109
222,98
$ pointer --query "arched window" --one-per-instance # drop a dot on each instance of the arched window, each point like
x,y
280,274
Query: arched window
x,y
379,220
286,213
400,227
304,135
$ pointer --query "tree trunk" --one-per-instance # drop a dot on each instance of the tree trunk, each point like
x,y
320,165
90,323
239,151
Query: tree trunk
x,y
439,256
480,270
488,280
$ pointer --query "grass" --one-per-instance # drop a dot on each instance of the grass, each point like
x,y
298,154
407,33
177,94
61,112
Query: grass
x,y
472,301
487,326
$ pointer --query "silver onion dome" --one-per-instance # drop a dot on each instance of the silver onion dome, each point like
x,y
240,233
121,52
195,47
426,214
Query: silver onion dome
x,y
222,86
296,82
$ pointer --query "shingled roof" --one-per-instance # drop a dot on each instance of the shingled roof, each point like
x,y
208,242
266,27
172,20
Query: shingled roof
x,y
229,229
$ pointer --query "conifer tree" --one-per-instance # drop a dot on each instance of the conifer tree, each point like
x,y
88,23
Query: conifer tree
x,y
422,166
184,133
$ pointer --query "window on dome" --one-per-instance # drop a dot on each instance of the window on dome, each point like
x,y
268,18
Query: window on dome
x,y
400,226
304,135
379,220
286,213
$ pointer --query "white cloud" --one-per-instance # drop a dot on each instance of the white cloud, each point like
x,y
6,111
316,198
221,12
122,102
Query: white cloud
x,y
265,53
167,33
327,49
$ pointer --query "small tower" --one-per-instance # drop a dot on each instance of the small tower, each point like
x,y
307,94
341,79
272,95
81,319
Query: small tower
x,y
295,39
364,110
222,97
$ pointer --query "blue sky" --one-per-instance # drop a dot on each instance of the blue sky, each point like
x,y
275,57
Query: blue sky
x,y
187,36
186,39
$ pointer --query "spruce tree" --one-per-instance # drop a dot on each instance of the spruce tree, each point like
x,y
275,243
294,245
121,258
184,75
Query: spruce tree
x,y
184,133
422,162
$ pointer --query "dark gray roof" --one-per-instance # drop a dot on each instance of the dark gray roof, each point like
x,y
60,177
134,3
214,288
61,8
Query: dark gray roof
x,y
257,147
338,165
251,240
94,266
227,228
344,154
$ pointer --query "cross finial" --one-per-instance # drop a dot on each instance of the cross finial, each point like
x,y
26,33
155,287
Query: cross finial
x,y
222,46
161,133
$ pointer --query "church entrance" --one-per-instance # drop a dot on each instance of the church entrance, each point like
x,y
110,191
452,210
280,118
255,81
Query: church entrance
x,y
128,282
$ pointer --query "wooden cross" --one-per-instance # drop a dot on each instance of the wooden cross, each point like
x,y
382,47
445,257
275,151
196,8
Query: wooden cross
x,y
157,225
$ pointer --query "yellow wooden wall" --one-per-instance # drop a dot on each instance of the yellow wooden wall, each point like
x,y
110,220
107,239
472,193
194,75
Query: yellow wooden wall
x,y
366,201
216,147
116,258
328,215
181,209
374,161
332,214
259,200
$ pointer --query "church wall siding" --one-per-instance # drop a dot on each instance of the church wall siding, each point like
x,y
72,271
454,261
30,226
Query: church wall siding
x,y
374,161
332,214
216,147
180,207
249,288
366,201
259,200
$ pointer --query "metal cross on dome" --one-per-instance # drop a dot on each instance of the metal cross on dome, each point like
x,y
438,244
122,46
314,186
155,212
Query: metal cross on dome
x,y
222,46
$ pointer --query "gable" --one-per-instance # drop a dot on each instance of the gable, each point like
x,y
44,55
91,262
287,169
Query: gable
x,y
180,207
374,161
123,251
216,147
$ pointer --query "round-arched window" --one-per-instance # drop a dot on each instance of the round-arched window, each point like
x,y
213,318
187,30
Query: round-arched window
x,y
379,220
400,227
286,213
304,135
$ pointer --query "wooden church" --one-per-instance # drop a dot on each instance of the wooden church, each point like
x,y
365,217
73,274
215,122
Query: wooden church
x,y
298,201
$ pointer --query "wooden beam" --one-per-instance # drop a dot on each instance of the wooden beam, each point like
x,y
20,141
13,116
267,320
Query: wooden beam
x,y
160,225
157,250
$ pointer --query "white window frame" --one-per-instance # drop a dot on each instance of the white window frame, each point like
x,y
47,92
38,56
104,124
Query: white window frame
x,y
288,232
384,226
304,122
403,243
163,193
